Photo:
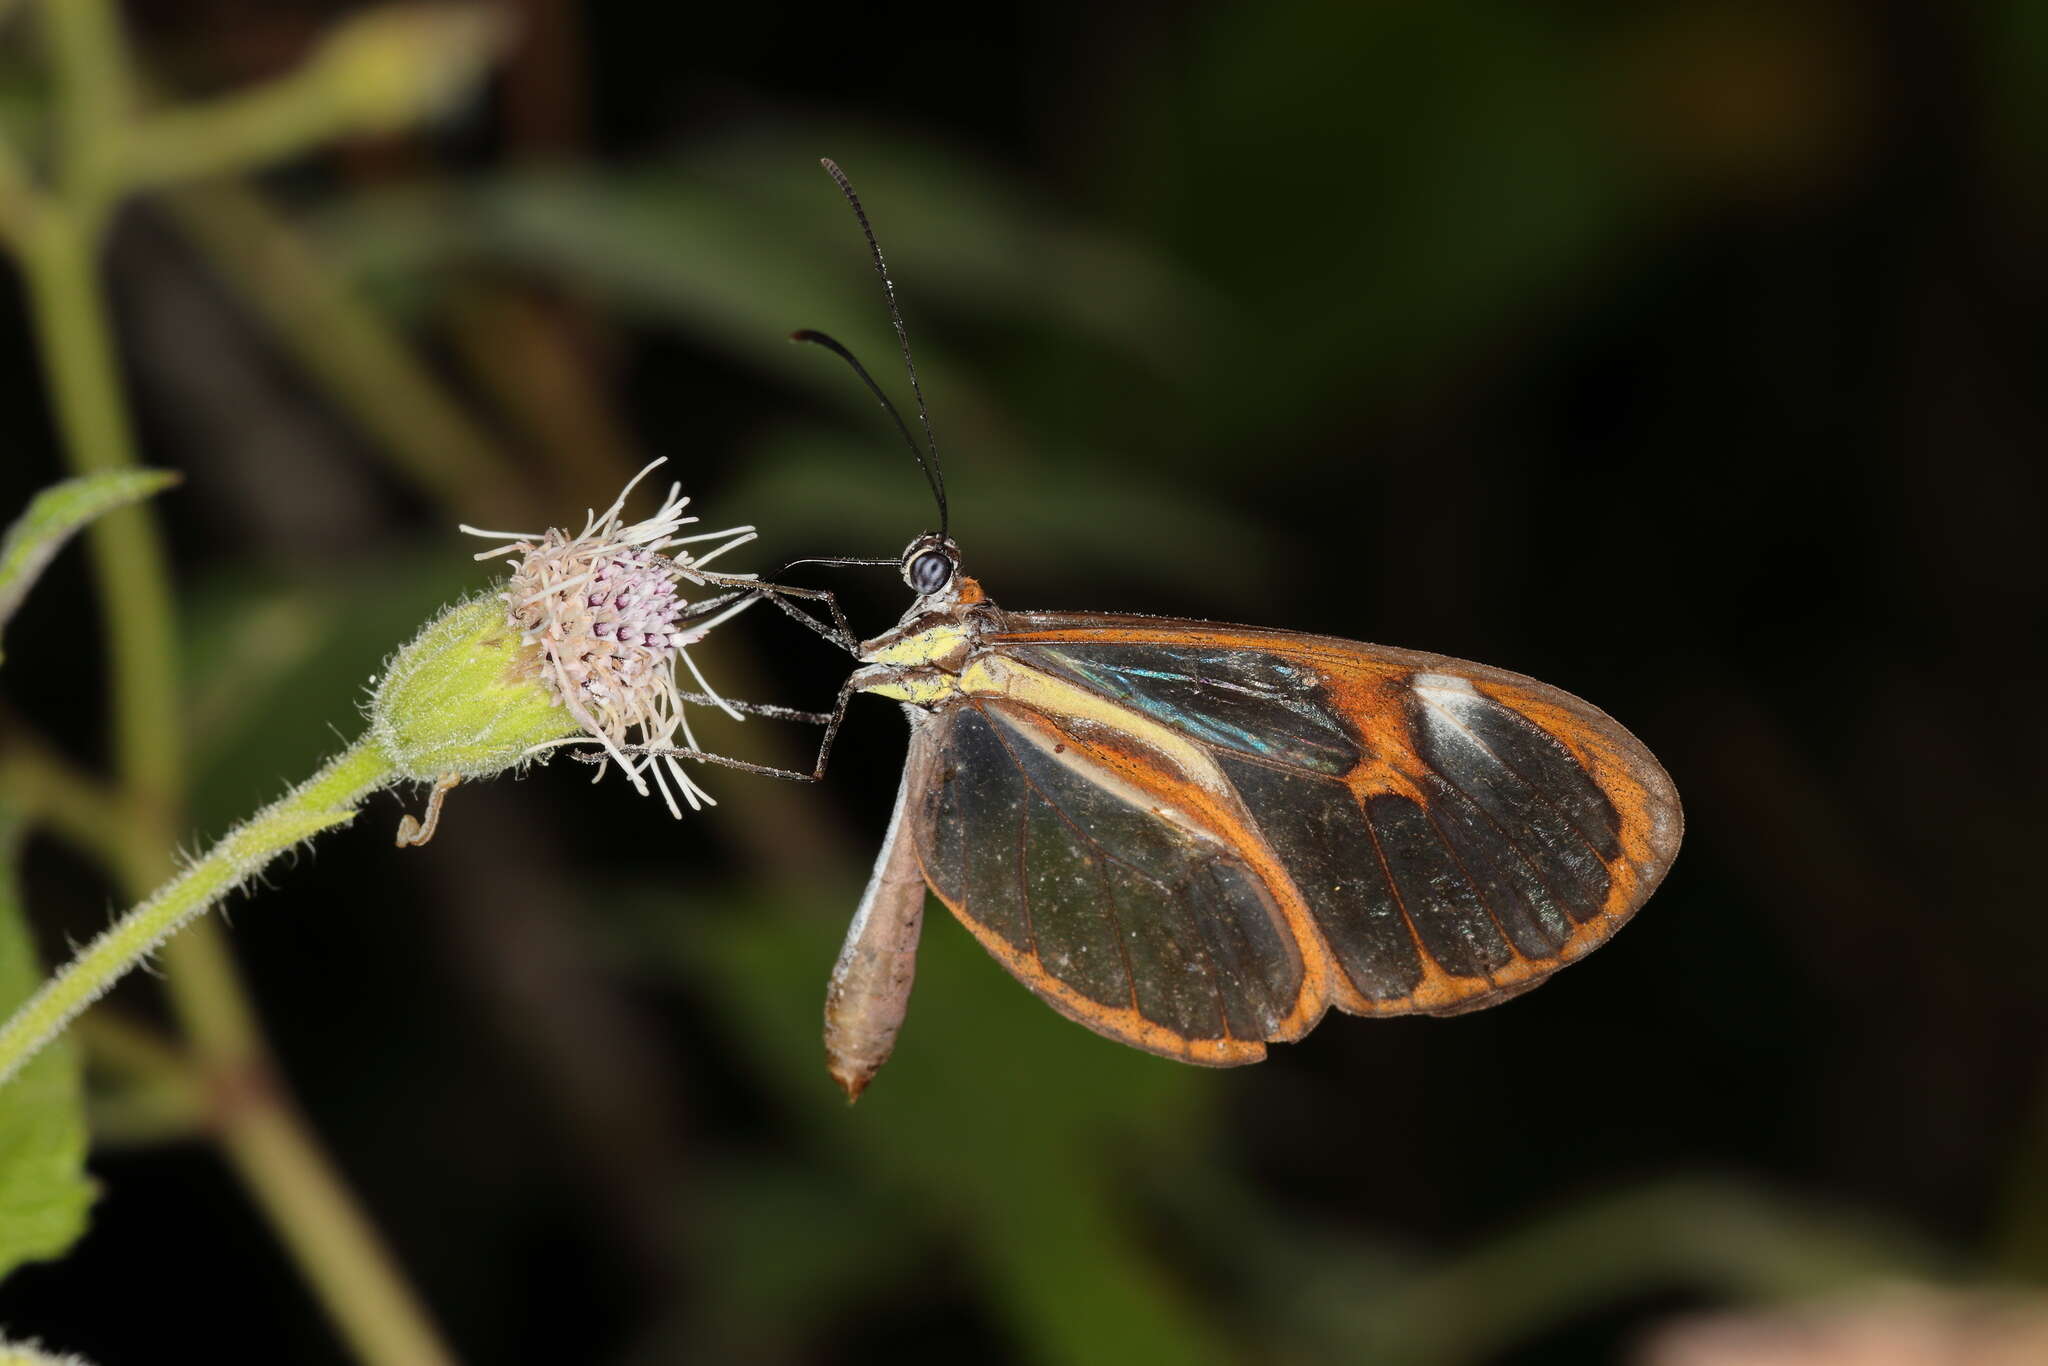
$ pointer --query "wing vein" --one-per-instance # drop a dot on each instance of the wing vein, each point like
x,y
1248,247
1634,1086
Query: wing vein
x,y
1521,853
1116,929
1478,892
1208,945
1394,889
1023,862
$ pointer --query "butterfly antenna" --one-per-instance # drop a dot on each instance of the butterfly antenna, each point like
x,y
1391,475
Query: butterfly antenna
x,y
816,338
924,417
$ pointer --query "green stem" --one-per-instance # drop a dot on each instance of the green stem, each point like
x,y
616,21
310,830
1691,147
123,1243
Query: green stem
x,y
51,792
330,1239
148,1092
326,799
20,199
90,57
128,553
227,135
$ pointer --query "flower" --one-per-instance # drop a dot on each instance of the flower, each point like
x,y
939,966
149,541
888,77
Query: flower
x,y
602,611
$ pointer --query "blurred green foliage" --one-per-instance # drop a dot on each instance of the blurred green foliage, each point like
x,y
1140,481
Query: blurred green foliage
x,y
1021,1168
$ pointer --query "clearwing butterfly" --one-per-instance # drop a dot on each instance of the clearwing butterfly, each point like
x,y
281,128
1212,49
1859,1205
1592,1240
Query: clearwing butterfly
x,y
1196,838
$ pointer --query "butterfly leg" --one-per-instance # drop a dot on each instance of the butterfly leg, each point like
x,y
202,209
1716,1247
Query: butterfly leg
x,y
838,714
829,720
767,709
840,632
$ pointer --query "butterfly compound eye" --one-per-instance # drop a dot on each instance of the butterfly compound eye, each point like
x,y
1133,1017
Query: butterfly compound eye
x,y
929,572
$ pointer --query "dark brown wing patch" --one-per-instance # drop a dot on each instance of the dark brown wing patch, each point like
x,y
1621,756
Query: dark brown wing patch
x,y
1515,893
1318,831
1441,904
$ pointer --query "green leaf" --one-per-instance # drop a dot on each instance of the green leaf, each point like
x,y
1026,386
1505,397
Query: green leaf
x,y
55,515
44,1191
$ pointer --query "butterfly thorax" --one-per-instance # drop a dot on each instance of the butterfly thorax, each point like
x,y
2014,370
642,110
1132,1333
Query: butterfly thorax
x,y
921,661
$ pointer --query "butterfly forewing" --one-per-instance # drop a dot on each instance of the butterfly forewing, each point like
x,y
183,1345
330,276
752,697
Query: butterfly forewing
x,y
1195,837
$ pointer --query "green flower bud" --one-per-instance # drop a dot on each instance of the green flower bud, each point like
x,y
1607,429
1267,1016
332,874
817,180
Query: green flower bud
x,y
467,696
389,67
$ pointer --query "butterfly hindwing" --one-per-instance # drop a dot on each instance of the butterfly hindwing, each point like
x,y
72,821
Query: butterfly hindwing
x,y
1115,917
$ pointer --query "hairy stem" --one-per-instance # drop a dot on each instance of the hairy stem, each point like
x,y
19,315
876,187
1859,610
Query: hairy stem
x,y
328,798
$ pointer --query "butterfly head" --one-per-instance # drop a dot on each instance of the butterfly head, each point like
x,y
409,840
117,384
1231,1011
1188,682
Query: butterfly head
x,y
917,662
931,566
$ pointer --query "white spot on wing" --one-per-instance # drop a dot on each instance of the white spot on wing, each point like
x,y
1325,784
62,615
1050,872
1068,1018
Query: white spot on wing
x,y
1442,683
1446,700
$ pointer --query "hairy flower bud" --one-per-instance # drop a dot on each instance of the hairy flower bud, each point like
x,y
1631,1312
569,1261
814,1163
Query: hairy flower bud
x,y
466,696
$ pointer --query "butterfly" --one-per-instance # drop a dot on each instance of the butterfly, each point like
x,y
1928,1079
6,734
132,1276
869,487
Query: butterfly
x,y
1197,838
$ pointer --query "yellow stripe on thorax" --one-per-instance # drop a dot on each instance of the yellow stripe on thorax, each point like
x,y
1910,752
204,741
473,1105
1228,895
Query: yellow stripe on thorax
x,y
926,647
925,689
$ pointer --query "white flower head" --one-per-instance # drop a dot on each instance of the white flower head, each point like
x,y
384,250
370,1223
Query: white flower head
x,y
602,607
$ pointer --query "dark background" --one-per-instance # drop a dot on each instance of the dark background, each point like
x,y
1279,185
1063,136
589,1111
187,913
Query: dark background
x,y
1683,355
